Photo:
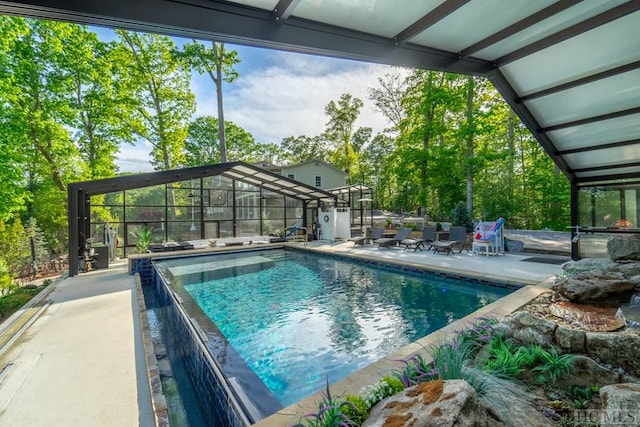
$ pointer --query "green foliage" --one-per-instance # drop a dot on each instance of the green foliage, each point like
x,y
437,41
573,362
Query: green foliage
x,y
460,217
143,239
385,387
506,360
331,412
14,297
358,411
555,365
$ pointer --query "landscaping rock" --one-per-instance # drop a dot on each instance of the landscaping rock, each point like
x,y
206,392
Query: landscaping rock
x,y
616,349
589,264
435,403
624,247
570,340
587,371
620,404
596,287
528,329
627,269
587,317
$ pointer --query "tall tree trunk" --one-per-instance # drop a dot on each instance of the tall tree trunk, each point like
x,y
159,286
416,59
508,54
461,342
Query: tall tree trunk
x,y
470,134
218,82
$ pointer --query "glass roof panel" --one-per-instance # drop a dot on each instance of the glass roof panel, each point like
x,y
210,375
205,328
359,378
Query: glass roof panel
x,y
597,133
615,93
597,50
260,4
380,17
608,156
244,170
558,22
609,172
476,21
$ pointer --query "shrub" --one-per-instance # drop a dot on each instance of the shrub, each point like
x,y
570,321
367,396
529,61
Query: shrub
x,y
16,299
554,364
331,412
358,411
460,216
385,387
415,370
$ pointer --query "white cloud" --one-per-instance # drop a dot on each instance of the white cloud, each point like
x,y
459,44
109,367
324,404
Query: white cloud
x,y
281,94
135,158
288,99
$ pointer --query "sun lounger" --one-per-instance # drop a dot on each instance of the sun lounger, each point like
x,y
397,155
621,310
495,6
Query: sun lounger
x,y
443,246
387,242
458,235
428,236
376,233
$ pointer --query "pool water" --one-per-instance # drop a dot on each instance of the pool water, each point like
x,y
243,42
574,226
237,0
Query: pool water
x,y
298,318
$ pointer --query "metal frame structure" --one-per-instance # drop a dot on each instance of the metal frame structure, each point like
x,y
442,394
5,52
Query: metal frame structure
x,y
79,194
568,68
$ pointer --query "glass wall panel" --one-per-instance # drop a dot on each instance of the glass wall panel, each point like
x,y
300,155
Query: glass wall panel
x,y
245,228
245,186
217,213
180,231
144,213
226,228
631,208
147,196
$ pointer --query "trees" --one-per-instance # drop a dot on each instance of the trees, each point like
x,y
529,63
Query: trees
x,y
160,95
202,143
218,63
340,130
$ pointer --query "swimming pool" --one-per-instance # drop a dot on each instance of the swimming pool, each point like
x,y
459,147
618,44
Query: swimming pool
x,y
291,319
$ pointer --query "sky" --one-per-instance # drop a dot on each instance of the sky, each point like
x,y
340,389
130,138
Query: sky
x,y
278,94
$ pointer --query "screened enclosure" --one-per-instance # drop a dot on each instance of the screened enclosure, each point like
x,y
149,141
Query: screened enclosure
x,y
208,202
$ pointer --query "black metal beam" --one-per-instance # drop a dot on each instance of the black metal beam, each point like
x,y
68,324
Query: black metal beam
x,y
583,81
284,8
238,24
521,25
443,10
575,30
509,94
593,119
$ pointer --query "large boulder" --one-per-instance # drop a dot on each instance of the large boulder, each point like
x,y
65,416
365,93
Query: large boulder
x,y
529,329
629,269
435,403
592,318
620,404
588,264
624,247
587,371
596,287
570,340
616,349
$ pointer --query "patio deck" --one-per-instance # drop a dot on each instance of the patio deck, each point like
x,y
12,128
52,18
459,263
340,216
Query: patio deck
x,y
80,360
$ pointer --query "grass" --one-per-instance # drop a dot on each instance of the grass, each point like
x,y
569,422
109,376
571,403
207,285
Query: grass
x,y
14,300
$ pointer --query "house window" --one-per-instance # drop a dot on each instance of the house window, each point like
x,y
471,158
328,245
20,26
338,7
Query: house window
x,y
291,175
318,181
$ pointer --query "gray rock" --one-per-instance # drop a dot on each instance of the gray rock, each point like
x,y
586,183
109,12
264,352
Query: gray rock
x,y
528,329
436,403
624,247
620,404
616,349
570,340
627,269
588,264
587,371
594,286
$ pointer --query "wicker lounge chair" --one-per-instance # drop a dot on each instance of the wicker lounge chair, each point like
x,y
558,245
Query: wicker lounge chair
x,y
428,236
376,233
387,242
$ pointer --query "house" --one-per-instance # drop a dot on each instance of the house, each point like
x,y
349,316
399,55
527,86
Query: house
x,y
316,173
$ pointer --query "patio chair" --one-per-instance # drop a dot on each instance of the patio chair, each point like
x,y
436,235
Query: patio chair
x,y
387,242
458,235
489,237
376,233
428,236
